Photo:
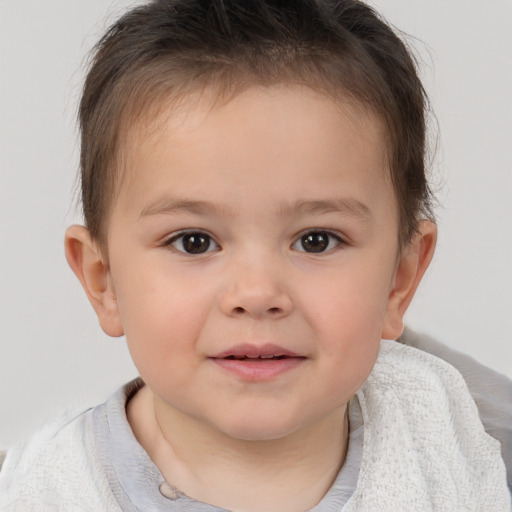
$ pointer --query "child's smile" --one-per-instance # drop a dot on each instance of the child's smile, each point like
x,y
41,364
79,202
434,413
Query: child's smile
x,y
257,361
252,250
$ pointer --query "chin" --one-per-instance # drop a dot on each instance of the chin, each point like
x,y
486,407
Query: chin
x,y
250,428
256,434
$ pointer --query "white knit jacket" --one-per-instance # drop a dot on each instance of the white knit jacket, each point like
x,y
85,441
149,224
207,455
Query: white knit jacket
x,y
425,448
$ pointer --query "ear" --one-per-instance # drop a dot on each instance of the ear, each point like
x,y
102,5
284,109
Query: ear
x,y
413,263
86,260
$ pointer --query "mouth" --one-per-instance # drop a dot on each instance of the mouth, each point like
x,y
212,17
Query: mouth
x,y
255,352
257,363
262,357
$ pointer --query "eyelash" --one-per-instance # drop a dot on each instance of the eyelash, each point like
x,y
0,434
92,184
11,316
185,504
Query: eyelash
x,y
204,238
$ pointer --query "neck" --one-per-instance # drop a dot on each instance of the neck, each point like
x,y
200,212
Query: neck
x,y
288,474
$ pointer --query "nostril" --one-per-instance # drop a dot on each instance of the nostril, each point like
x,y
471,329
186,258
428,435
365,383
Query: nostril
x,y
272,311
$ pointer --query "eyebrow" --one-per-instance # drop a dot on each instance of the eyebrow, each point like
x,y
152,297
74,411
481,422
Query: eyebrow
x,y
345,206
171,206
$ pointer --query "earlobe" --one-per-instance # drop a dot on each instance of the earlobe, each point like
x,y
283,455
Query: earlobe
x,y
413,263
86,260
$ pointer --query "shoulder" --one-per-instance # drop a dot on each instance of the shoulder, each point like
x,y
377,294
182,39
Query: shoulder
x,y
405,371
483,382
423,433
490,390
55,470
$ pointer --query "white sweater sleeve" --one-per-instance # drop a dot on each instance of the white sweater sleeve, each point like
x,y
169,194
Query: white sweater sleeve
x,y
55,471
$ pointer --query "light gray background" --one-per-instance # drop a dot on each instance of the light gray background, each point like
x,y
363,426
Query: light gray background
x,y
52,351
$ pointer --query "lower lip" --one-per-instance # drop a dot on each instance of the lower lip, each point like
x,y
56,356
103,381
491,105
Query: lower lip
x,y
259,370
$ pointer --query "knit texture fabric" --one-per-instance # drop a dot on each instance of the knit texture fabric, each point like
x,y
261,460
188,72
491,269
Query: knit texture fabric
x,y
57,471
425,448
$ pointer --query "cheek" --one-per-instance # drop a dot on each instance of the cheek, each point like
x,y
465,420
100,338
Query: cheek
x,y
162,315
349,301
347,318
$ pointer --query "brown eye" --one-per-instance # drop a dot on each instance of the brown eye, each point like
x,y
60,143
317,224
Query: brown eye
x,y
317,242
196,243
193,243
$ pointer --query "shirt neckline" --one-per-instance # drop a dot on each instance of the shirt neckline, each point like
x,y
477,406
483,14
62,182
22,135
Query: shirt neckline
x,y
138,485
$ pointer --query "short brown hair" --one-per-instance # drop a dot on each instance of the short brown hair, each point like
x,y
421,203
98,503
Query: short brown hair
x,y
173,47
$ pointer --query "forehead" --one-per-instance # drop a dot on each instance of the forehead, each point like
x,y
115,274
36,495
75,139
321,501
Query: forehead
x,y
289,139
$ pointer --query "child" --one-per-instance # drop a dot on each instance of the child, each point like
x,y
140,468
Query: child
x,y
257,220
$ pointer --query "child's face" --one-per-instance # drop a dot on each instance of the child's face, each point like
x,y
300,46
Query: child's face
x,y
266,226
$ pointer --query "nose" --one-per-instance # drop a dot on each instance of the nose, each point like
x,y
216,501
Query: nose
x,y
256,291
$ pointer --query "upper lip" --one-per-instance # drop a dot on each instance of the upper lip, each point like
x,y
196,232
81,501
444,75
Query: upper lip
x,y
256,350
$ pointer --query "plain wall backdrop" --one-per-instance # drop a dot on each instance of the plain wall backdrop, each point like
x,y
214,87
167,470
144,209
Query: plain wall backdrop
x,y
52,351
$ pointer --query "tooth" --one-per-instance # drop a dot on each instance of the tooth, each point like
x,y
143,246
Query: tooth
x,y
252,357
270,356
